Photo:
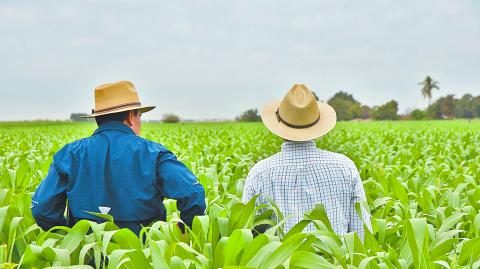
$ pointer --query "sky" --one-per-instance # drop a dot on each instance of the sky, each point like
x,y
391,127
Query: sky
x,y
215,59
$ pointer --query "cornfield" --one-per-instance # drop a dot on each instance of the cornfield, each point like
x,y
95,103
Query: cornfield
x,y
422,181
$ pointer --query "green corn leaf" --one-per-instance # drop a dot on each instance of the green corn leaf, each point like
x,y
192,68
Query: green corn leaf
x,y
252,249
158,251
75,236
285,250
235,245
309,260
263,254
101,215
470,251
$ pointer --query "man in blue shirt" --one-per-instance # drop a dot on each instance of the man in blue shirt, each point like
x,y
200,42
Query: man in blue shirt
x,y
115,171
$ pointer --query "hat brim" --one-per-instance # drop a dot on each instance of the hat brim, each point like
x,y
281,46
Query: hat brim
x,y
328,119
143,109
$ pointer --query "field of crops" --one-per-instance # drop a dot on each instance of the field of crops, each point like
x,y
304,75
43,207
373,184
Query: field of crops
x,y
422,180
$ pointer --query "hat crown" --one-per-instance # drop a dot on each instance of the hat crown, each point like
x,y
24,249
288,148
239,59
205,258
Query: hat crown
x,y
116,94
299,106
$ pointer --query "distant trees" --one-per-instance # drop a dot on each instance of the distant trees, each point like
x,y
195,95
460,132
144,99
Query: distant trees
x,y
428,84
249,115
476,106
170,118
365,112
346,106
447,107
388,111
465,107
443,108
77,117
418,114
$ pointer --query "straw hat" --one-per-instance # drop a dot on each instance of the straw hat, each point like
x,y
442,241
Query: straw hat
x,y
116,97
299,117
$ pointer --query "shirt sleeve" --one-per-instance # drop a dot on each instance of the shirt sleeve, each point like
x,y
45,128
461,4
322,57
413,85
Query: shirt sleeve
x,y
248,190
48,202
355,224
179,183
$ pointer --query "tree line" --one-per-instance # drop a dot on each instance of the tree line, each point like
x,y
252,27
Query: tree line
x,y
348,108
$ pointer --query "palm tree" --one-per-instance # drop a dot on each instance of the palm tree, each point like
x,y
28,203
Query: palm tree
x,y
428,85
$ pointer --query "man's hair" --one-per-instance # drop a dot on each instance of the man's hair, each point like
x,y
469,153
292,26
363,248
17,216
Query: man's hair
x,y
119,117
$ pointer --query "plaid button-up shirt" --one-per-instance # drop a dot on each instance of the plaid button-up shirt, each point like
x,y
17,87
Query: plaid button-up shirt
x,y
301,176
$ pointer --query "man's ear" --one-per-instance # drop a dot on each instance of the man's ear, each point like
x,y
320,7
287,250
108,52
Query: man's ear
x,y
129,120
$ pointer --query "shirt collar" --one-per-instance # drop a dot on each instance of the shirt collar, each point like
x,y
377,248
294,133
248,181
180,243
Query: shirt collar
x,y
116,126
288,146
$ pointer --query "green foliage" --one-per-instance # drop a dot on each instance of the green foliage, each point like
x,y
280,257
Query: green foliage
x,y
78,117
249,115
170,118
346,106
418,114
476,106
443,108
421,179
366,112
464,107
428,85
448,107
388,111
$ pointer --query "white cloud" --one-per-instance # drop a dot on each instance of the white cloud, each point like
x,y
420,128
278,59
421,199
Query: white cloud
x,y
17,16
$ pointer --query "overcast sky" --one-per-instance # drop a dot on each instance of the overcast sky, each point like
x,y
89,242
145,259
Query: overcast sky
x,y
215,59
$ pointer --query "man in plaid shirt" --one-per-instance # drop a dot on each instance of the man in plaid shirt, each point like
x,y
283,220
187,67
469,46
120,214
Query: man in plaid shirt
x,y
301,175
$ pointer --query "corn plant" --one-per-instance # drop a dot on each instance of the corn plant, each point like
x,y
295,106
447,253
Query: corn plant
x,y
422,181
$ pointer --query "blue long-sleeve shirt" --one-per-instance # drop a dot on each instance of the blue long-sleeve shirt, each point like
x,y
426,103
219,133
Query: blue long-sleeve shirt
x,y
117,171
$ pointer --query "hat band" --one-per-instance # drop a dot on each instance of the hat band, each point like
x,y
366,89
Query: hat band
x,y
116,107
294,125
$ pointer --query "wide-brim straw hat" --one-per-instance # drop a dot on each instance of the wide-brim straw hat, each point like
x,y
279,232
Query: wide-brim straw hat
x,y
299,116
117,97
